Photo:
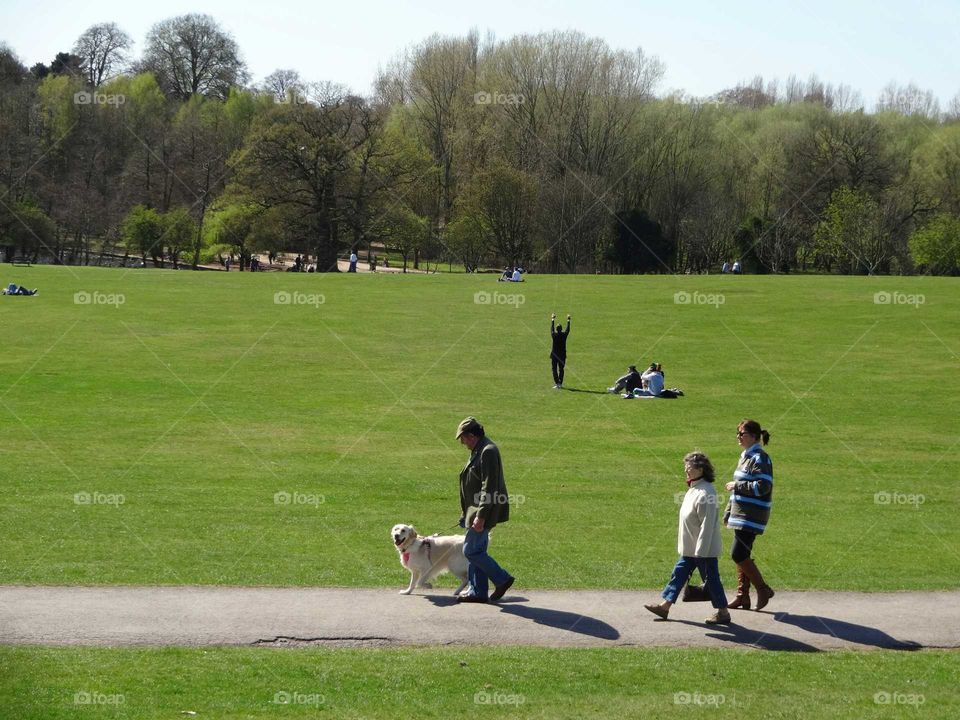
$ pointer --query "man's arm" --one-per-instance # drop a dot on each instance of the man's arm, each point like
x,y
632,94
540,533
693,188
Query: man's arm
x,y
568,325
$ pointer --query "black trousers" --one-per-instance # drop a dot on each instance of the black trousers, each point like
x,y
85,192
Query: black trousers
x,y
556,364
742,545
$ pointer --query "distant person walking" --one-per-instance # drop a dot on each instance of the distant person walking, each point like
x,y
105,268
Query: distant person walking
x,y
698,541
558,354
726,267
484,503
353,262
736,267
748,511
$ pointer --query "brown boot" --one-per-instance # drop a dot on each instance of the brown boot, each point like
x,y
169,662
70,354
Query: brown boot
x,y
764,591
742,599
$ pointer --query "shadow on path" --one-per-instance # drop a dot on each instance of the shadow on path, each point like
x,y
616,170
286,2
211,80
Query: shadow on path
x,y
754,638
560,619
850,632
563,620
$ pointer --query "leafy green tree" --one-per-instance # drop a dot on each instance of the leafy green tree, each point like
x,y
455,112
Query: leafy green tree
x,y
935,247
142,233
179,233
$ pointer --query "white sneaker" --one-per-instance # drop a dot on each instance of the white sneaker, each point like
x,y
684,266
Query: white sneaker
x,y
611,390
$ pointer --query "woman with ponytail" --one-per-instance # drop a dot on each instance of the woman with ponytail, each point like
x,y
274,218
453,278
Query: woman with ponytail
x,y
748,511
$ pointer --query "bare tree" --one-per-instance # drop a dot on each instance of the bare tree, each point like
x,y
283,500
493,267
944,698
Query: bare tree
x,y
104,50
191,55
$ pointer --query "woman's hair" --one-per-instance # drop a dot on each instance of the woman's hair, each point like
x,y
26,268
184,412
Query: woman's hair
x,y
700,461
753,427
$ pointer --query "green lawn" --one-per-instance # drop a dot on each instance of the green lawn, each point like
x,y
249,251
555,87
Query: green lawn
x,y
142,684
199,399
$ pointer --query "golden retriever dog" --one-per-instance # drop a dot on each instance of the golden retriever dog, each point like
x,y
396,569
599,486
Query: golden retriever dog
x,y
427,557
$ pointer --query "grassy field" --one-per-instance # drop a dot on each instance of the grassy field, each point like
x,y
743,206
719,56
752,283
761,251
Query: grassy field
x,y
140,684
207,430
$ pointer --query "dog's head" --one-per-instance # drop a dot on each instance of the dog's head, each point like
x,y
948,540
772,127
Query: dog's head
x,y
403,535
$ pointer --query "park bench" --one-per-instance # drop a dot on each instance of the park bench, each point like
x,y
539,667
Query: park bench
x,y
21,261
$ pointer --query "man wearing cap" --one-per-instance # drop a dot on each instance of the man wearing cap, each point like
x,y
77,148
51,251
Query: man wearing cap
x,y
484,503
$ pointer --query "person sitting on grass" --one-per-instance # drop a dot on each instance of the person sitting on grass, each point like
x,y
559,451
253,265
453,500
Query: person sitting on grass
x,y
14,289
629,382
516,275
507,275
652,383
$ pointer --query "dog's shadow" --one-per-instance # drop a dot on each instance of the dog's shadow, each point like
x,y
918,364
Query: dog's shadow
x,y
559,619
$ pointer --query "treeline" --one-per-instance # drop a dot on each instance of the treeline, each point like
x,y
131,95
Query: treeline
x,y
552,151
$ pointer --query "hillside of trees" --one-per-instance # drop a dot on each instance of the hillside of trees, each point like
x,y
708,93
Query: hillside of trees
x,y
551,151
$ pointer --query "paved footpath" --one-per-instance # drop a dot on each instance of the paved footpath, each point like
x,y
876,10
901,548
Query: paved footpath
x,y
344,617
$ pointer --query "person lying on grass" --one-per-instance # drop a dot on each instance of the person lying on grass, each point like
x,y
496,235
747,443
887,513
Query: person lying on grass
x,y
14,289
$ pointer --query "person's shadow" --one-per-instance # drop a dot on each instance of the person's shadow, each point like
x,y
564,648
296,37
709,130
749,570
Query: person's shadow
x,y
581,390
850,632
740,635
560,619
563,620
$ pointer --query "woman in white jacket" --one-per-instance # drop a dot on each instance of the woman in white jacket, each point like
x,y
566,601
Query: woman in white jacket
x,y
698,541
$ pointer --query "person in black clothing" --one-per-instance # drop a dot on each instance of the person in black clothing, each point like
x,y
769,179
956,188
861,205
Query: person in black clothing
x,y
629,382
558,355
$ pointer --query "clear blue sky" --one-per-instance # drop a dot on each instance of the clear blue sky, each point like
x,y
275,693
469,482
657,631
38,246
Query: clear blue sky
x,y
706,46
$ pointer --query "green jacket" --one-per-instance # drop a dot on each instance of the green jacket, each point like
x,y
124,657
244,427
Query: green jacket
x,y
483,491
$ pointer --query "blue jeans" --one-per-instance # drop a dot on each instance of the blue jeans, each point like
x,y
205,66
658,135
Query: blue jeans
x,y
482,566
708,569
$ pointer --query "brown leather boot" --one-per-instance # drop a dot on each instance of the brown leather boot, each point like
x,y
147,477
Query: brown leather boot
x,y
742,599
764,591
